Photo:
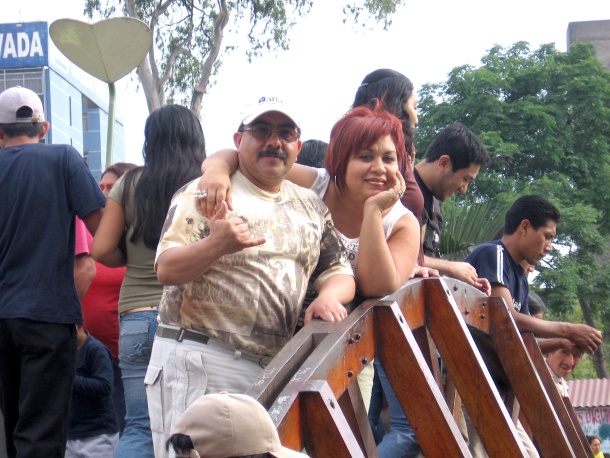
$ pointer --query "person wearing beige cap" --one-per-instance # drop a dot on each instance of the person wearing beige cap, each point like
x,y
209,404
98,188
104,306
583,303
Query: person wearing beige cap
x,y
225,425
43,188
236,280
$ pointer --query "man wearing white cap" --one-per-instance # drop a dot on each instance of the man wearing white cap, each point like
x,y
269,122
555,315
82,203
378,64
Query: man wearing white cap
x,y
227,425
240,277
43,188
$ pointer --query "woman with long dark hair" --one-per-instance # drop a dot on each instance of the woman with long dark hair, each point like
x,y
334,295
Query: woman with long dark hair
x,y
128,235
397,95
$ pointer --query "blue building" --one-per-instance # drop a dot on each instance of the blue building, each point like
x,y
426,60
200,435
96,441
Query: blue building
x,y
75,103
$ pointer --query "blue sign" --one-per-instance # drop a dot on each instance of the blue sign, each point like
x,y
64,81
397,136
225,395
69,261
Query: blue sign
x,y
24,45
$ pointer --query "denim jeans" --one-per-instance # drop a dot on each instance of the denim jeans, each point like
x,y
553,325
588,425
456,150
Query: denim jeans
x,y
135,346
375,408
400,442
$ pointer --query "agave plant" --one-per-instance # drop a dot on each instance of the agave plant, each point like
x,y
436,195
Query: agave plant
x,y
468,224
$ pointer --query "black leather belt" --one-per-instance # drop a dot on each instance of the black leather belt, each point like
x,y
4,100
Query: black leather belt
x,y
181,334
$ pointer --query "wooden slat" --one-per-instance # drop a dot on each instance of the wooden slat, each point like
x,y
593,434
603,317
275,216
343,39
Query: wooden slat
x,y
411,302
480,349
581,434
353,408
452,397
414,385
285,364
342,351
428,348
549,437
556,399
469,373
327,432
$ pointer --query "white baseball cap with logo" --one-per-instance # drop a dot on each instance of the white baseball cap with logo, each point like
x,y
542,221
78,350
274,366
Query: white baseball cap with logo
x,y
16,98
265,105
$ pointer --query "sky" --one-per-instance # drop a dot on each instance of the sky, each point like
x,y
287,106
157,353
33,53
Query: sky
x,y
327,59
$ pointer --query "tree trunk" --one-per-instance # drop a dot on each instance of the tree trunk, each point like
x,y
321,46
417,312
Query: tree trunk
x,y
153,99
221,21
151,84
599,362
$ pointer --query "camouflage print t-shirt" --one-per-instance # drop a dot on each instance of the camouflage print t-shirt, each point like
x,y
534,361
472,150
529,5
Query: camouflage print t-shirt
x,y
251,299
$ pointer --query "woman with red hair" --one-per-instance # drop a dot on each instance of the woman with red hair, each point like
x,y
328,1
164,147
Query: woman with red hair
x,y
361,185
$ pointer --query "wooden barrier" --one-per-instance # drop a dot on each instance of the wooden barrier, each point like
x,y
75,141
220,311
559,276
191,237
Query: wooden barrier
x,y
311,393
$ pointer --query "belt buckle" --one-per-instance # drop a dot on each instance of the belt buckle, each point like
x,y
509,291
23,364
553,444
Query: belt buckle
x,y
181,335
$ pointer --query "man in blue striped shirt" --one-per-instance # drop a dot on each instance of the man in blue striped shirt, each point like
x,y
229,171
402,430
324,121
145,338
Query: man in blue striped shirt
x,y
529,227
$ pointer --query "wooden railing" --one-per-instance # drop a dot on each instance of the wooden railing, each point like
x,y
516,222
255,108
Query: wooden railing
x,y
310,387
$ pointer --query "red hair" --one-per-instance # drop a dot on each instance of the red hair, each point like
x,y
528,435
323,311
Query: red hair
x,y
358,130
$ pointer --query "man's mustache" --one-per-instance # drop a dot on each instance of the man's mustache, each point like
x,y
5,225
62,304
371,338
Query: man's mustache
x,y
272,152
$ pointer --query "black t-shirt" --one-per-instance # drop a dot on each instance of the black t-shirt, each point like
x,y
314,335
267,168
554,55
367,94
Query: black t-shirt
x,y
432,220
42,187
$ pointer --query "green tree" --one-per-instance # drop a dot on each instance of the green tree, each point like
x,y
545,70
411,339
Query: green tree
x,y
544,116
468,223
188,36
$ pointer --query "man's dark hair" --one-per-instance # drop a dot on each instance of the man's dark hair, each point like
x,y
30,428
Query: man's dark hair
x,y
537,210
462,146
536,304
179,442
17,129
22,128
313,153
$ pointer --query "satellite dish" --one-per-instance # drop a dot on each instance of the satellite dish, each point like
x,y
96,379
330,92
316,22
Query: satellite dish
x,y
107,50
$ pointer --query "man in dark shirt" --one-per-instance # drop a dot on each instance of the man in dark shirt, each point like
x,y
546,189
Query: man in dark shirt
x,y
451,162
43,187
529,227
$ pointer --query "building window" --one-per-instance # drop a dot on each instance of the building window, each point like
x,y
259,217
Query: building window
x,y
30,79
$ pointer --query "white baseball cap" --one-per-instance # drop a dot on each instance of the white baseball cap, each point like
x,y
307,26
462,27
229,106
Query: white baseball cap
x,y
18,97
265,105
